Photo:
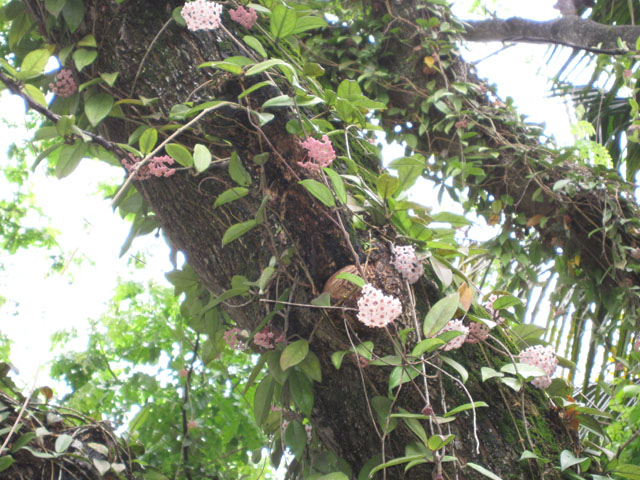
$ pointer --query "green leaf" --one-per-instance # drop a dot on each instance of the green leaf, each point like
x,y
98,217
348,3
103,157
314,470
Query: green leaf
x,y
333,476
456,366
33,63
488,373
322,300
230,195
73,13
311,366
526,455
506,301
255,44
180,154
254,87
236,231
568,459
482,470
35,94
83,58
201,157
262,399
353,278
308,23
387,185
266,65
5,462
88,41
295,438
440,314
62,443
293,354
394,462
148,140
320,191
22,441
279,101
337,357
338,185
70,157
349,89
436,442
301,391
523,369
109,78
626,470
237,171
54,7
97,107
382,408
427,345
283,22
466,406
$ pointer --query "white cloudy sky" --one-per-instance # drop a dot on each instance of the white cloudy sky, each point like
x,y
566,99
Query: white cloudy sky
x,y
40,303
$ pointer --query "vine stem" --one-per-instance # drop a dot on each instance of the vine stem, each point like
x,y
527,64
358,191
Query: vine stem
x,y
473,408
127,182
19,417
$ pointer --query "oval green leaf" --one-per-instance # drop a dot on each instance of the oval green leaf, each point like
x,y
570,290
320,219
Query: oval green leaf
x,y
440,314
236,231
201,158
294,354
180,154
320,191
97,107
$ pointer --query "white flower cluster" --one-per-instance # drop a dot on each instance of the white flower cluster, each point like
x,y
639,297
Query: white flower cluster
x,y
542,357
478,332
375,309
407,263
308,429
202,15
458,341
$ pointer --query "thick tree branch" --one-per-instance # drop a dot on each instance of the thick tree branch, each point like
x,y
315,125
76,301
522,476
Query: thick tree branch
x,y
570,31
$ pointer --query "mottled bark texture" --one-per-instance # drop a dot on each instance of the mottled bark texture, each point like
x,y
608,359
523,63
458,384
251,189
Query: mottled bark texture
x,y
571,31
295,222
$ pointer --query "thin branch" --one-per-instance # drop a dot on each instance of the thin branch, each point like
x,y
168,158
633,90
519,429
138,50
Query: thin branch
x,y
572,31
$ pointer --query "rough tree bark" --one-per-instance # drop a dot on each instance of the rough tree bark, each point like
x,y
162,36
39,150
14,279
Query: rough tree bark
x,y
183,206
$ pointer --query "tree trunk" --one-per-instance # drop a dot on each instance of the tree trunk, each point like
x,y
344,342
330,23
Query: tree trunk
x,y
298,227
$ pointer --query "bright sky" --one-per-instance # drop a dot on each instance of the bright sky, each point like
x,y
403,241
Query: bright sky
x,y
40,303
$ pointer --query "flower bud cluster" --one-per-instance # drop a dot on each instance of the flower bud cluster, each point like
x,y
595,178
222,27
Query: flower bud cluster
x,y
375,309
478,332
406,262
156,167
319,152
494,313
202,15
308,429
244,17
231,339
542,357
457,342
267,338
64,84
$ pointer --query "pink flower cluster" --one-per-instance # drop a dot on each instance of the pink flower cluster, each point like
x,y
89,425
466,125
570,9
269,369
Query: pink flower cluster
x,y
156,167
407,263
64,84
478,332
375,309
267,338
542,357
494,314
244,17
636,345
202,15
319,152
231,339
457,342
